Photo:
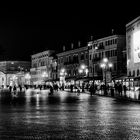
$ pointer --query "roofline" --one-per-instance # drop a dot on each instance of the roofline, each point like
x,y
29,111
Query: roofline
x,y
65,52
112,36
14,61
133,21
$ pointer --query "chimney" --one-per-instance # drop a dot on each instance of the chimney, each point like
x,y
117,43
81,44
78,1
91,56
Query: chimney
x,y
72,45
91,38
79,43
112,31
64,48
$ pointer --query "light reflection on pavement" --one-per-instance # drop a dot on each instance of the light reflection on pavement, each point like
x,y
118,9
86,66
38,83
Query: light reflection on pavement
x,y
68,116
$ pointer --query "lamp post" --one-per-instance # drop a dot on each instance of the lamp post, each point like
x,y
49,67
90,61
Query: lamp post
x,y
83,70
94,48
44,74
105,65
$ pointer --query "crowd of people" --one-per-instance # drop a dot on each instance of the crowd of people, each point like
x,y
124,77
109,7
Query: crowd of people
x,y
93,88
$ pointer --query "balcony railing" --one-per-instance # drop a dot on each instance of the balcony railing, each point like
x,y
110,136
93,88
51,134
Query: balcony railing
x,y
71,62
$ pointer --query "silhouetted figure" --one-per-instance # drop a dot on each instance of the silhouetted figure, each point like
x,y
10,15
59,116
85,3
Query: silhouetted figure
x,y
55,87
10,88
112,91
20,88
139,94
51,90
120,89
14,89
124,89
91,89
71,88
83,86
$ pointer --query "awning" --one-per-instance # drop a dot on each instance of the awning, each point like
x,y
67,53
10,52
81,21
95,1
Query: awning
x,y
52,80
89,78
70,78
122,77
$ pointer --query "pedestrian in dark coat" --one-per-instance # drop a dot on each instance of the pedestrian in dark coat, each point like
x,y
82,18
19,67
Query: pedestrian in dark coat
x,y
51,90
91,89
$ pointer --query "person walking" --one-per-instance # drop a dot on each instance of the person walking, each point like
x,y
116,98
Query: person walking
x,y
10,88
120,89
51,90
20,88
14,89
91,89
124,89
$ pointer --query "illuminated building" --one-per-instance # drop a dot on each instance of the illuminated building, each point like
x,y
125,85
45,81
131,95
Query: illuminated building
x,y
13,72
41,70
114,49
133,47
71,60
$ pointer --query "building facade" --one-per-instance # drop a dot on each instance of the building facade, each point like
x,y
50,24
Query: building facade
x,y
54,70
133,47
14,72
114,49
41,67
70,62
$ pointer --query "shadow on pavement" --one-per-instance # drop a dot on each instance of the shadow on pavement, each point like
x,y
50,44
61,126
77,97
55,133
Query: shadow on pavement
x,y
53,99
71,99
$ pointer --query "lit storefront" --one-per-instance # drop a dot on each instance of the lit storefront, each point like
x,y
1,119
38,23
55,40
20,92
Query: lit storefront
x,y
133,55
13,73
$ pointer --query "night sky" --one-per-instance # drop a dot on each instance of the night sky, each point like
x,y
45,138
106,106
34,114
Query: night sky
x,y
27,30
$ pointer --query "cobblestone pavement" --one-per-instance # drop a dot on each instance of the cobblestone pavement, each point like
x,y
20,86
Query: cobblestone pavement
x,y
68,116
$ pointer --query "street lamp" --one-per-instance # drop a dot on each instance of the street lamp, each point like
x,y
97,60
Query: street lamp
x,y
63,74
44,74
105,65
93,46
83,70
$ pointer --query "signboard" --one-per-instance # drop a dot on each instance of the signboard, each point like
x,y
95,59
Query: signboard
x,y
108,76
136,46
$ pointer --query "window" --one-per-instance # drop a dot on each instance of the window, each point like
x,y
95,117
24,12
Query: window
x,y
115,41
102,54
108,42
138,72
115,52
106,54
129,73
133,73
115,66
90,57
86,55
61,60
82,56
